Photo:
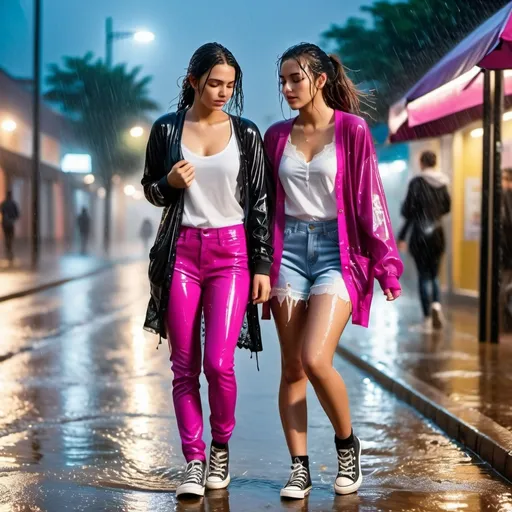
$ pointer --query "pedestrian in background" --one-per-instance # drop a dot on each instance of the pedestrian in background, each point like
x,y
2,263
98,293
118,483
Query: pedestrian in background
x,y
84,227
10,214
146,232
426,203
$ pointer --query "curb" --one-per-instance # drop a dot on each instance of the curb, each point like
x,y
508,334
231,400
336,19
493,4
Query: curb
x,y
53,284
472,429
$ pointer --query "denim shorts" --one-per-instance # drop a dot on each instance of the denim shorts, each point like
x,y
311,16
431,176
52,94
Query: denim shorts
x,y
311,262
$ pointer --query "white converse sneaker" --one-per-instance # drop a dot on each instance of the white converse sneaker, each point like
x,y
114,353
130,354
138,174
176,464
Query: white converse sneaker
x,y
218,469
299,483
194,481
349,477
437,316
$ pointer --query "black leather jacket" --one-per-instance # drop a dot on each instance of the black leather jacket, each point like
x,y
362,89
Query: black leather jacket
x,y
163,151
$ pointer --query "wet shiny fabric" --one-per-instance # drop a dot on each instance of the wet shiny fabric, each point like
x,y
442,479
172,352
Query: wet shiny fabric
x,y
367,245
211,274
256,193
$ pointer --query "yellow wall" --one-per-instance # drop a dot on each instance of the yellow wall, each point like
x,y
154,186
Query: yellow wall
x,y
467,162
467,262
457,208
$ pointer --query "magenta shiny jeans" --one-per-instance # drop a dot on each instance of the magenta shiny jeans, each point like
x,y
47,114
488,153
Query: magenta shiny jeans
x,y
211,273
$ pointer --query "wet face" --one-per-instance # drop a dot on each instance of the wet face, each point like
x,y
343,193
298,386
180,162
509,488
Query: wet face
x,y
215,88
298,85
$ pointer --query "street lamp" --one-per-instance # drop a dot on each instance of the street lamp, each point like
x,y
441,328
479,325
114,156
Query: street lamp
x,y
8,125
141,36
137,131
110,37
89,179
129,190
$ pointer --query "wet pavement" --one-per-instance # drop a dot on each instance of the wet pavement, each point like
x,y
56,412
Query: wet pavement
x,y
476,375
86,420
57,263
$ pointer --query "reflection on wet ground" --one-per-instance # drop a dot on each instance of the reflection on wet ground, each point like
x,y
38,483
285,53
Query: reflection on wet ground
x,y
478,375
58,262
87,423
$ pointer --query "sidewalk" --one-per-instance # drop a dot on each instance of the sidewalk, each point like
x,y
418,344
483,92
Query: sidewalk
x,y
460,384
58,264
88,422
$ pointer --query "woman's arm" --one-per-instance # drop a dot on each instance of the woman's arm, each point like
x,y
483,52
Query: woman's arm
x,y
260,200
157,189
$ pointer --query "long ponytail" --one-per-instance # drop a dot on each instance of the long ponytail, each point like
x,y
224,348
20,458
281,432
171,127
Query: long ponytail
x,y
340,93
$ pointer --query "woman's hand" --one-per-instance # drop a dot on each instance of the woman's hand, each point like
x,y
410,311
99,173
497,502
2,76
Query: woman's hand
x,y
260,289
402,246
181,175
392,295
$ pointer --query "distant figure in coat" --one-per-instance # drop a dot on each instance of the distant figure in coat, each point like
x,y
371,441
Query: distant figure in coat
x,y
84,227
427,201
146,232
10,214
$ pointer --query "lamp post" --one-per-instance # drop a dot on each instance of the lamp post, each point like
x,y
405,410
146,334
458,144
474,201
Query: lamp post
x,y
36,129
141,36
110,36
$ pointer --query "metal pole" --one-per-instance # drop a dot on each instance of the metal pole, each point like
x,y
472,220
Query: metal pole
x,y
36,123
484,217
109,40
107,212
496,209
109,37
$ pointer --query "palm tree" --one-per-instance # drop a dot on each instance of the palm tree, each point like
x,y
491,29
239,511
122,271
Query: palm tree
x,y
104,103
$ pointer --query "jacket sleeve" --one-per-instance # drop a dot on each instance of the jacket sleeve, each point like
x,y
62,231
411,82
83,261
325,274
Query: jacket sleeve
x,y
408,206
447,202
154,182
407,212
373,212
260,201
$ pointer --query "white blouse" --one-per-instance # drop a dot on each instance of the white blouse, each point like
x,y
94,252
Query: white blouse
x,y
309,186
213,198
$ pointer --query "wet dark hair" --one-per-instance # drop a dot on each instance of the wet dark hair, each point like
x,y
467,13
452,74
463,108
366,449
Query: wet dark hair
x,y
205,58
339,91
428,159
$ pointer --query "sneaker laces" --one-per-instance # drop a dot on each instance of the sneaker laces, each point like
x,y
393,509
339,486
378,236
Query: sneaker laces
x,y
347,463
299,476
194,472
218,461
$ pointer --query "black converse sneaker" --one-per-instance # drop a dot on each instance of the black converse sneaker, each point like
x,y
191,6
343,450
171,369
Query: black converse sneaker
x,y
299,483
349,477
218,469
194,479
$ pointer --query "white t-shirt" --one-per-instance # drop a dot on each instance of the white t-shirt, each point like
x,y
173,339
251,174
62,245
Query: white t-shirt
x,y
309,186
213,199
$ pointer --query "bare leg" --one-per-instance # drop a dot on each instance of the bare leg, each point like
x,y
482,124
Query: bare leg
x,y
292,390
327,317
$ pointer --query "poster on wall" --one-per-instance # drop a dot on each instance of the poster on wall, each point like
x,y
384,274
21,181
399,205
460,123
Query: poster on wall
x,y
472,207
506,154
